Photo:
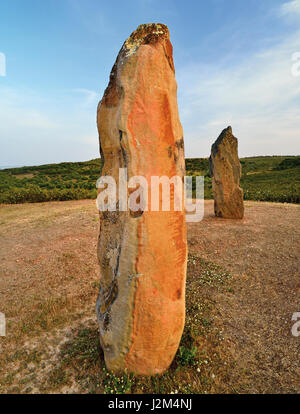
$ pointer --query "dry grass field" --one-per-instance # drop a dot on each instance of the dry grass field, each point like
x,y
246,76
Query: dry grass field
x,y
243,287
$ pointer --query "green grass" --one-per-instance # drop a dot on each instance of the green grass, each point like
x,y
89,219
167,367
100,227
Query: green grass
x,y
274,178
65,181
271,179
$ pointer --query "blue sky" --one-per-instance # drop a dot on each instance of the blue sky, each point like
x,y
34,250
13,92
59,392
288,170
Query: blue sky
x,y
233,61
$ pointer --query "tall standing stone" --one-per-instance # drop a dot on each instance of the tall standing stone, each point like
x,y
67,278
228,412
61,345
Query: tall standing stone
x,y
225,169
142,255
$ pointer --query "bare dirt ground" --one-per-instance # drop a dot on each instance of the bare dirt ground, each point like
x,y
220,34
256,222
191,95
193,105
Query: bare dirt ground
x,y
49,283
263,253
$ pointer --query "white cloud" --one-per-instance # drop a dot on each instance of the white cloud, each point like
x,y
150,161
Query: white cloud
x,y
259,98
91,98
20,109
34,130
290,8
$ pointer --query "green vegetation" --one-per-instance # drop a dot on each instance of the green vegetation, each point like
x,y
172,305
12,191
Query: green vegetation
x,y
65,181
274,178
271,179
187,356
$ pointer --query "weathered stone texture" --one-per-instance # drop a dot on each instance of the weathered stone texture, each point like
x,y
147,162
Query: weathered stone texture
x,y
142,255
225,169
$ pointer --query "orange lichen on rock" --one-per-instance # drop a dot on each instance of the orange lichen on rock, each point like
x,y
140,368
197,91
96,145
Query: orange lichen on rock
x,y
142,256
225,168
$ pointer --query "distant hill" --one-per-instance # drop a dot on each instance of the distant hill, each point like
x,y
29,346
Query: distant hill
x,y
269,178
5,167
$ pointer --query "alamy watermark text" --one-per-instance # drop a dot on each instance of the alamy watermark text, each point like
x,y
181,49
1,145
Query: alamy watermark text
x,y
140,194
